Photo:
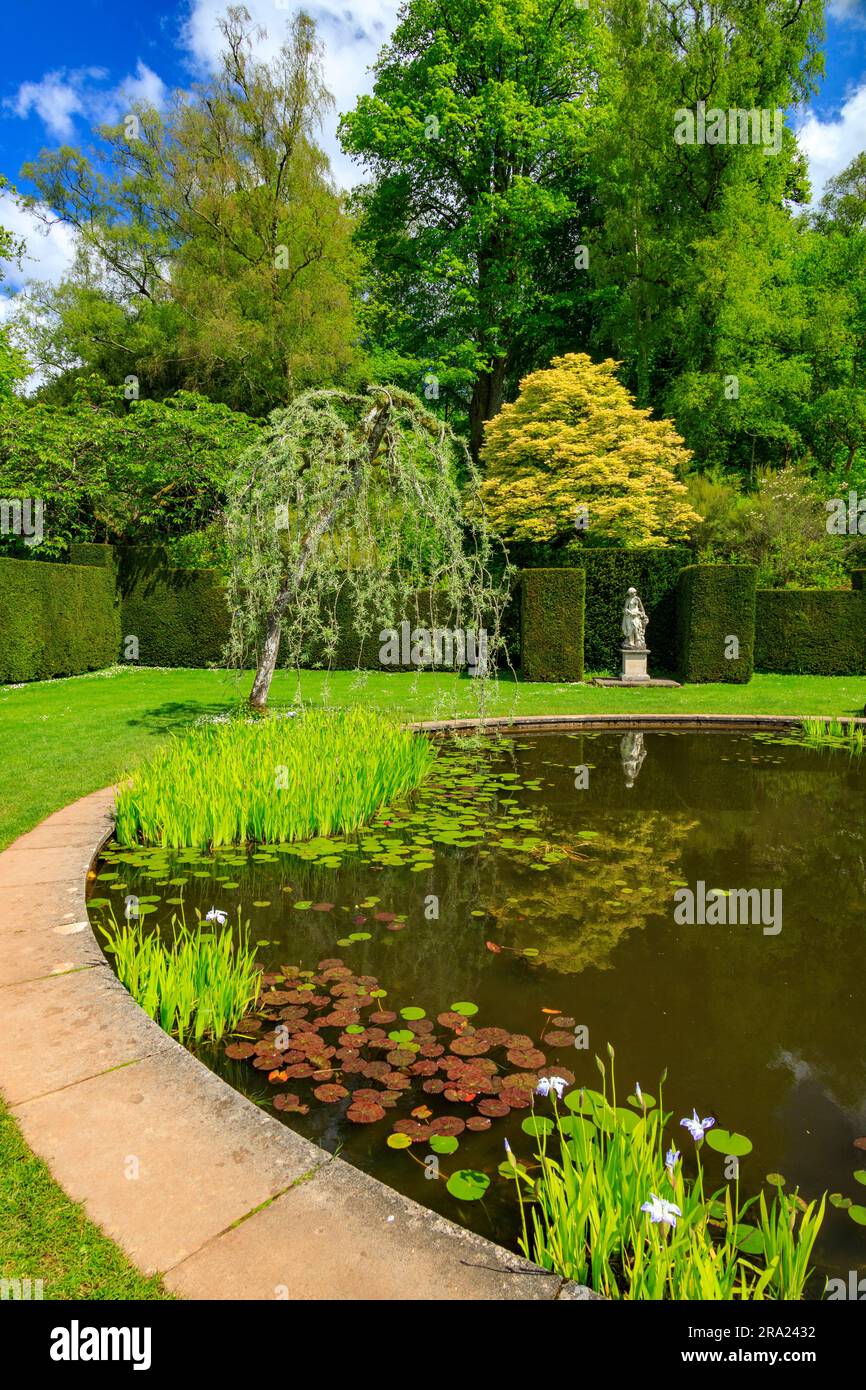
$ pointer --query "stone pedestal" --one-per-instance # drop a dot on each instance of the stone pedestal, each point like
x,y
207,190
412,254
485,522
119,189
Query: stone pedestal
x,y
634,661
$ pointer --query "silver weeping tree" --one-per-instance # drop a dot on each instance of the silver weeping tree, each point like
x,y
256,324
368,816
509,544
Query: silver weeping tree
x,y
365,497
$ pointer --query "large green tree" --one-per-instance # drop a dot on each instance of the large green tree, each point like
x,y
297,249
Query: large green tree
x,y
214,252
474,139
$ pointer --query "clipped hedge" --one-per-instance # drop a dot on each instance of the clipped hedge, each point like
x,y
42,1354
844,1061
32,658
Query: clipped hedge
x,y
552,605
610,573
56,620
715,603
811,632
179,617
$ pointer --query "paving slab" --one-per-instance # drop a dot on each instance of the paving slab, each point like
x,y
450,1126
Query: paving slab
x,y
163,1154
342,1235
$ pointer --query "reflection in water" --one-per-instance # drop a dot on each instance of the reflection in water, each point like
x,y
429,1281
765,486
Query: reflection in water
x,y
632,752
557,898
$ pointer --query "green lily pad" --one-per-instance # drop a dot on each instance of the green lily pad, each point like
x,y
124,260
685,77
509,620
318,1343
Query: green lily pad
x,y
860,1176
537,1125
858,1214
464,1007
398,1141
411,1012
729,1142
467,1185
444,1143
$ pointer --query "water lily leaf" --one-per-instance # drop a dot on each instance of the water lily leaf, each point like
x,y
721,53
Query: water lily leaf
x,y
842,1203
402,1035
537,1125
728,1142
464,1007
858,1214
411,1013
748,1239
776,1180
398,1141
645,1103
467,1185
860,1176
444,1143
358,936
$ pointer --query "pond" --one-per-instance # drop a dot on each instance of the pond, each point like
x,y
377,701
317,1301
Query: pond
x,y
529,906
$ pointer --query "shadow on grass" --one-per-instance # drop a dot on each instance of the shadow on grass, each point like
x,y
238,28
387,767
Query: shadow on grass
x,y
176,715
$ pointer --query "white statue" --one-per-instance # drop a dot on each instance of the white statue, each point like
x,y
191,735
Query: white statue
x,y
634,621
632,753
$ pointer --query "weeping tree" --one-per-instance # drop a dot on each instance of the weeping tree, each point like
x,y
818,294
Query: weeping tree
x,y
356,500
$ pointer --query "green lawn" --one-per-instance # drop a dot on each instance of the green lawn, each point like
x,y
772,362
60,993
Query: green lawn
x,y
62,739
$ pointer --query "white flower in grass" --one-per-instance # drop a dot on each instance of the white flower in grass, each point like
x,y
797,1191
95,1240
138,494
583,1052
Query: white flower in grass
x,y
660,1211
217,915
672,1158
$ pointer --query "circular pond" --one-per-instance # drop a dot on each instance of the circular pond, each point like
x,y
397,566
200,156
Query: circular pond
x,y
695,899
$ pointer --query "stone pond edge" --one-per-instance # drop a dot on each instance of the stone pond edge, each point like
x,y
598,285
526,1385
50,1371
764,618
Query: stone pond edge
x,y
191,1179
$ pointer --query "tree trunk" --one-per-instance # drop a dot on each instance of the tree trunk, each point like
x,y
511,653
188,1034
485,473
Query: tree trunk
x,y
375,425
486,402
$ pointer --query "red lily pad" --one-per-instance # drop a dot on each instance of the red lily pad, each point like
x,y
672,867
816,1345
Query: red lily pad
x,y
494,1109
558,1038
365,1112
563,1021
478,1122
433,1087
449,1126
471,1046
331,1094
290,1104
383,1016
322,907
526,1057
238,1051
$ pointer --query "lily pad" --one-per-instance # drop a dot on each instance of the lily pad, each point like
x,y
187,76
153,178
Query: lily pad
x,y
729,1142
444,1143
467,1009
467,1185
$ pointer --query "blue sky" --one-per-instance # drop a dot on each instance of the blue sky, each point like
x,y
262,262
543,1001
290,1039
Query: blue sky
x,y
64,67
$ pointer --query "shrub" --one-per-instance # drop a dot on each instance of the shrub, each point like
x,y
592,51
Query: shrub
x,y
551,624
55,620
273,781
574,439
714,604
816,632
179,616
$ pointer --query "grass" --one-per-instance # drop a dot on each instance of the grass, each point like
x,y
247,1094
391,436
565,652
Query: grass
x,y
848,738
608,1206
45,1236
273,781
199,987
62,739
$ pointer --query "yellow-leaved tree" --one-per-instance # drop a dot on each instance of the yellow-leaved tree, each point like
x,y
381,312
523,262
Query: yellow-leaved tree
x,y
573,457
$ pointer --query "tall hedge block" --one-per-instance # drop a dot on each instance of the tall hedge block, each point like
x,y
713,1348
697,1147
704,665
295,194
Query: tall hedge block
x,y
56,620
610,573
552,604
179,617
715,619
813,632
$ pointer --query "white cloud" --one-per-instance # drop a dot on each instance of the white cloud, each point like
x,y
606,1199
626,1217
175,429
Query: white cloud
x,y
351,35
849,11
830,145
61,96
49,251
55,98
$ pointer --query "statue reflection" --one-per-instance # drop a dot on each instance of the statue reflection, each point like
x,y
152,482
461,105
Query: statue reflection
x,y
632,752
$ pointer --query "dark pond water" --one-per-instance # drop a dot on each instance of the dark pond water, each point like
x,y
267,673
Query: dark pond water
x,y
536,880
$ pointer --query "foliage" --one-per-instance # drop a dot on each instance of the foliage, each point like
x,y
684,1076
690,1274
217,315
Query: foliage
x,y
277,781
357,495
835,734
601,1163
107,470
552,624
715,608
471,212
55,620
178,616
816,632
213,250
198,987
574,444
